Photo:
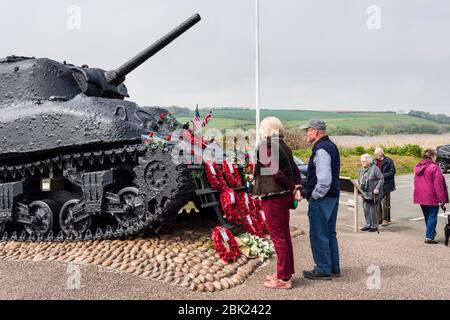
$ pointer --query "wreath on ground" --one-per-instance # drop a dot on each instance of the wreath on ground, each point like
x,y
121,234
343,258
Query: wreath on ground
x,y
231,173
252,226
225,244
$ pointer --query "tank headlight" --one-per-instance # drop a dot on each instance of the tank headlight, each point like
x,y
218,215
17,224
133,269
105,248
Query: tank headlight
x,y
46,185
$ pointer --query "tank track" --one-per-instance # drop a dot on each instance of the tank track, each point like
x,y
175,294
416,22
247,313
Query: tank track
x,y
102,182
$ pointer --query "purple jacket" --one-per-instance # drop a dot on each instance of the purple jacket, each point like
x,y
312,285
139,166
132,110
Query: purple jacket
x,y
430,187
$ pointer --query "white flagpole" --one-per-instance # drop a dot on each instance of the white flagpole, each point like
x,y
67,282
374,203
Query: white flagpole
x,y
257,73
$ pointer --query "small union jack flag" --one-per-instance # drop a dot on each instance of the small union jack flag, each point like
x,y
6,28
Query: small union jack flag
x,y
207,118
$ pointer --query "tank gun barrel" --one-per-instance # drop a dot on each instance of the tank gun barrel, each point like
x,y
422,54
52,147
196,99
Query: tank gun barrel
x,y
118,75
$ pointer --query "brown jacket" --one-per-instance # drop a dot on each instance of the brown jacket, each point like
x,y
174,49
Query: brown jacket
x,y
286,176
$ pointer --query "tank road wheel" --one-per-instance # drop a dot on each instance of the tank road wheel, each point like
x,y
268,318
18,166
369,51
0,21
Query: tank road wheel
x,y
135,206
71,218
41,213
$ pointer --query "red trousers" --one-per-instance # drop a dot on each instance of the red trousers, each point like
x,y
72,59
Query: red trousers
x,y
277,215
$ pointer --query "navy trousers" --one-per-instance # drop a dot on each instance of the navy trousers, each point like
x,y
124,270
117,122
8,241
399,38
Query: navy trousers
x,y
322,214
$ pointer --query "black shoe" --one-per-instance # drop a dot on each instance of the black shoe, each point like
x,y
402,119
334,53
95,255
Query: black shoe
x,y
314,275
335,275
365,229
430,241
373,229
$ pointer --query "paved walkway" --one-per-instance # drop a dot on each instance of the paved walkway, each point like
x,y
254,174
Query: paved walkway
x,y
394,264
407,269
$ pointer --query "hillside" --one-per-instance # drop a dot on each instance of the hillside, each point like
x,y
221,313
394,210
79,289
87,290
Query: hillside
x,y
339,123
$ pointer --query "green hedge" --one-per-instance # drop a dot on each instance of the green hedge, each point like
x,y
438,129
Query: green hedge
x,y
413,150
405,158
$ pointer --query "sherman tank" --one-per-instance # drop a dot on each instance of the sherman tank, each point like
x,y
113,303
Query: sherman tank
x,y
72,161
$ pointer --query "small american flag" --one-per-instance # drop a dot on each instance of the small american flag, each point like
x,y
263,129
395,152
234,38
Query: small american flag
x,y
196,121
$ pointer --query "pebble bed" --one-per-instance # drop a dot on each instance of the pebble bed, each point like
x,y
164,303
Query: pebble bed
x,y
184,257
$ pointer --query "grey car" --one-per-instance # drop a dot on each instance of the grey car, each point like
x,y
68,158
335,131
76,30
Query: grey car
x,y
303,167
443,157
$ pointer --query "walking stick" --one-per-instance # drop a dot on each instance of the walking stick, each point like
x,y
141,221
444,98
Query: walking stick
x,y
375,202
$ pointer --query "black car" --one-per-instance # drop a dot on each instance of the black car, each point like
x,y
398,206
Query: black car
x,y
303,167
443,157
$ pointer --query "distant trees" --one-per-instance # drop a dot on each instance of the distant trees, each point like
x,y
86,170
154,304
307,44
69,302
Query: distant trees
x,y
411,128
179,110
439,118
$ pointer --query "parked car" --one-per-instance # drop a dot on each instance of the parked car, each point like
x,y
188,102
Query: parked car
x,y
443,157
303,167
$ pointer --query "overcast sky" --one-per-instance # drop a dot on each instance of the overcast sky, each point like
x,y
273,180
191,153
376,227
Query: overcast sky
x,y
314,54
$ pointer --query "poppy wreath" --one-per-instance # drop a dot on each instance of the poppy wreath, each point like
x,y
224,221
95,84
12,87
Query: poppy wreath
x,y
215,176
258,204
262,222
260,216
250,221
232,207
249,204
228,250
252,226
231,173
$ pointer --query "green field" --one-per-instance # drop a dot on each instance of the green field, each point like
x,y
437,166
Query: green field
x,y
221,123
364,120
361,123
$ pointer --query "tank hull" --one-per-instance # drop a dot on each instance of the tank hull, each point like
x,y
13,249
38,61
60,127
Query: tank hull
x,y
83,122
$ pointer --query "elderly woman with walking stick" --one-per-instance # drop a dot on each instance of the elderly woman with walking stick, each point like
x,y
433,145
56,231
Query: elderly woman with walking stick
x,y
371,182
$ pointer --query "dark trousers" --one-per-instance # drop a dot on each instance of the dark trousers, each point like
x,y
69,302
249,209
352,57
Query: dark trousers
x,y
277,214
385,208
371,213
322,214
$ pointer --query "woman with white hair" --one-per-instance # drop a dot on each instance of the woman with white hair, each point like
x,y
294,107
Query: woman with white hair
x,y
277,183
371,183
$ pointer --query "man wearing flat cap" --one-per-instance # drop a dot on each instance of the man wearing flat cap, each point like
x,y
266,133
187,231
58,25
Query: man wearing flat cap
x,y
322,193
